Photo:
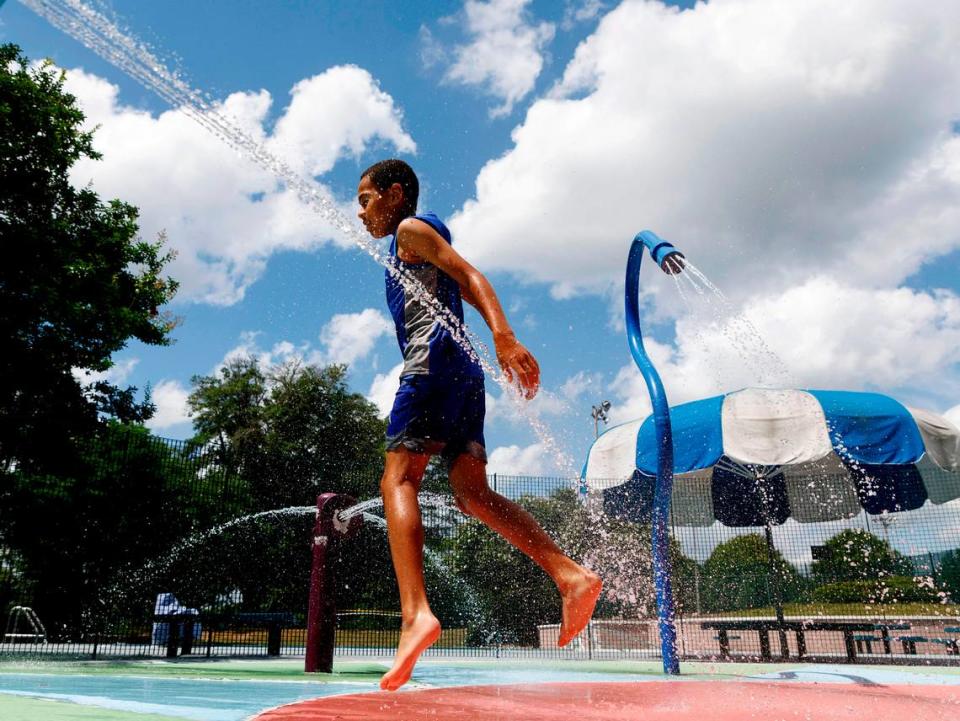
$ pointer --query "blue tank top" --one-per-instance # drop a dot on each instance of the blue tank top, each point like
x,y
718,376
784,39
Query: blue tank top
x,y
427,347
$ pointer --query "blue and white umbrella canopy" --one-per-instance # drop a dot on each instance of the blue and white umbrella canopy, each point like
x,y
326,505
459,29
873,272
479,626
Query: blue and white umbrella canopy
x,y
760,456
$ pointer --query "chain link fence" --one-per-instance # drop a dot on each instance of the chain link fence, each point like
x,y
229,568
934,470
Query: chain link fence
x,y
161,548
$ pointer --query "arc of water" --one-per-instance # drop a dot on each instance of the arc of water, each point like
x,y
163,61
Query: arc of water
x,y
103,37
156,565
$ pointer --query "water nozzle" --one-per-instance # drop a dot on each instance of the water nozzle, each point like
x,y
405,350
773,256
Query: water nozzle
x,y
664,254
331,521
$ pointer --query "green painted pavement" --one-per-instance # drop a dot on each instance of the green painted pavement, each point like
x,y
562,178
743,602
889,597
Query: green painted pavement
x,y
18,708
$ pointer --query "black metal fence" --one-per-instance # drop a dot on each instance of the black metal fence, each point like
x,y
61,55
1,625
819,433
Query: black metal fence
x,y
881,588
160,548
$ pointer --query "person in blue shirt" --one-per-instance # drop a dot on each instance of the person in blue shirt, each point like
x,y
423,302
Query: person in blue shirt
x,y
439,408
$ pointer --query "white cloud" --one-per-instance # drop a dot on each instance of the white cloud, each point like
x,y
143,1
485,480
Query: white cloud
x,y
505,52
432,51
348,337
579,384
548,403
340,110
516,461
170,397
117,374
579,11
827,335
224,215
280,353
383,389
511,407
770,139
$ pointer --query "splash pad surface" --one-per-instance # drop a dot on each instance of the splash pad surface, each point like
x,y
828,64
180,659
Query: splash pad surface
x,y
481,689
651,701
612,691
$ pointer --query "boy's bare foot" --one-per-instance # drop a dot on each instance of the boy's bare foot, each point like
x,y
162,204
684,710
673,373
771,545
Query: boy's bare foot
x,y
579,598
414,640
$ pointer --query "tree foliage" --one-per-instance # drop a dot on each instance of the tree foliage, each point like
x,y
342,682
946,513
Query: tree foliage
x,y
84,537
291,431
948,574
857,555
517,596
75,282
740,574
885,590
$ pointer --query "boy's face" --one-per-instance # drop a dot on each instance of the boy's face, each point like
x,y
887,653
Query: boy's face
x,y
379,210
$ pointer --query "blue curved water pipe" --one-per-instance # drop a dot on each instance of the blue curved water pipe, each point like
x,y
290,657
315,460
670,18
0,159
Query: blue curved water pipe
x,y
670,260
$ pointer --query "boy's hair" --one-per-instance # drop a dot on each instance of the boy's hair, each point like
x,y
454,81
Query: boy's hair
x,y
387,172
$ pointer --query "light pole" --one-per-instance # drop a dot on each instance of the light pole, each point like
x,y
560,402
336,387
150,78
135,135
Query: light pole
x,y
886,521
599,413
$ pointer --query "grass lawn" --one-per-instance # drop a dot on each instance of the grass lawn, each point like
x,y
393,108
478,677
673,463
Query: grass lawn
x,y
16,708
390,637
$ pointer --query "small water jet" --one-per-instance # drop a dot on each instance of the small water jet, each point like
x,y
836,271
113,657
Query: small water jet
x,y
141,575
339,518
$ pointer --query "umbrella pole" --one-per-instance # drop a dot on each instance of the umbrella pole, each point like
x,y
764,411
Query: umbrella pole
x,y
775,589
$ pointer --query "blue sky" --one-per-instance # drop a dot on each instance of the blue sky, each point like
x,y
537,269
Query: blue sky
x,y
811,171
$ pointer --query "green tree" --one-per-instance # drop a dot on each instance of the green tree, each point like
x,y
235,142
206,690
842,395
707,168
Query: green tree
x,y
517,596
291,432
87,538
75,282
739,573
948,574
858,555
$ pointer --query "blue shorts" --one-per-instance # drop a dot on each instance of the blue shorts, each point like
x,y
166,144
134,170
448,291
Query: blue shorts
x,y
438,415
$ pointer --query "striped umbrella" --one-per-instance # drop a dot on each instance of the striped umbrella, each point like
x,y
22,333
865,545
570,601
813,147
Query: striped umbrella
x,y
757,457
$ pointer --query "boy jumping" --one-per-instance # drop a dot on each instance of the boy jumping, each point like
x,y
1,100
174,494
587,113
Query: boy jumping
x,y
439,409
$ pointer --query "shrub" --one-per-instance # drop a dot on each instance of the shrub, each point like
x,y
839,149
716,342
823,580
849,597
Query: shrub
x,y
892,589
738,575
858,555
949,573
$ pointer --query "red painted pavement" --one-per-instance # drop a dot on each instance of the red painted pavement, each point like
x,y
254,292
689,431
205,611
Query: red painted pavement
x,y
643,701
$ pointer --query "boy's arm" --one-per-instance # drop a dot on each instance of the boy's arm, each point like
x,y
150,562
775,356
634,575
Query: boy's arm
x,y
417,238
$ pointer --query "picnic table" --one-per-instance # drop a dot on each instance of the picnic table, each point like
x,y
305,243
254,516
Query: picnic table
x,y
764,626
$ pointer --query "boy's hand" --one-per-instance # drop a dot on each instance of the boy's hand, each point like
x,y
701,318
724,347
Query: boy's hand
x,y
515,360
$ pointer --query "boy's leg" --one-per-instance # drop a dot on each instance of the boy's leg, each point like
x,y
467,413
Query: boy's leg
x,y
578,586
399,487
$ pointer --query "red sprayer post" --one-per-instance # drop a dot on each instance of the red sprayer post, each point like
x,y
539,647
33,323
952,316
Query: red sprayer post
x,y
328,531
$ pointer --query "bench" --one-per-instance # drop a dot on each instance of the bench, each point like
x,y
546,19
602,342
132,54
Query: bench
x,y
761,626
179,633
910,643
864,640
